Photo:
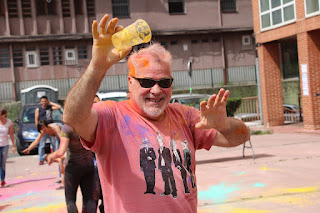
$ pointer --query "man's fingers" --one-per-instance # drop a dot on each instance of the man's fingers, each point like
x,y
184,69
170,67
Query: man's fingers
x,y
203,105
200,125
211,100
95,33
123,53
225,98
102,24
111,26
219,97
118,28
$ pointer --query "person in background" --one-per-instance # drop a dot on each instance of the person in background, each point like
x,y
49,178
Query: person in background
x,y
5,128
44,112
96,99
80,171
114,130
53,130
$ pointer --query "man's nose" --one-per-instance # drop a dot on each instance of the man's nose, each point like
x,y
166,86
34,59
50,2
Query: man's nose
x,y
156,89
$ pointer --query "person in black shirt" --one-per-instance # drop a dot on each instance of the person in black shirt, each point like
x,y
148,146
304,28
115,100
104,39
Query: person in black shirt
x,y
44,112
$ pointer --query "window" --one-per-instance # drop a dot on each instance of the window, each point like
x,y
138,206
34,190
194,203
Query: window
x,y
173,42
312,7
82,52
70,56
164,44
26,8
46,7
12,8
57,56
17,57
275,13
65,8
120,8
91,8
32,59
4,58
176,6
2,8
44,56
228,5
78,7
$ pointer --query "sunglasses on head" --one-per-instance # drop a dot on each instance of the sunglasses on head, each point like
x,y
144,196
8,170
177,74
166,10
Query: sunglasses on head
x,y
148,82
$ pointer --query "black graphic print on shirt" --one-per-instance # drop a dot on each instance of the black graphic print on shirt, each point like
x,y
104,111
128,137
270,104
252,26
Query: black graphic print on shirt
x,y
166,160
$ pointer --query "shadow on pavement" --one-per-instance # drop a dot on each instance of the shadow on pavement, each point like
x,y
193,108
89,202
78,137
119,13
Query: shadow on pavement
x,y
233,158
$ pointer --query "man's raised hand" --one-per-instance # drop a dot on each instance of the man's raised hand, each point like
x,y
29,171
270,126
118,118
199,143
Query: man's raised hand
x,y
213,113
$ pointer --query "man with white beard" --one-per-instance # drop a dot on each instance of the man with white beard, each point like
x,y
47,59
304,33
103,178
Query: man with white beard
x,y
114,130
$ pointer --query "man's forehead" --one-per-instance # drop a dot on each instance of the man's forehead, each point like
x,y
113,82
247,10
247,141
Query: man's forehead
x,y
153,70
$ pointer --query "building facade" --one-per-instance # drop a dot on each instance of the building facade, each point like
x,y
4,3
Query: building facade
x,y
276,22
49,41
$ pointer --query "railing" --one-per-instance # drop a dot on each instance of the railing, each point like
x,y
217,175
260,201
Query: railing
x,y
291,116
249,109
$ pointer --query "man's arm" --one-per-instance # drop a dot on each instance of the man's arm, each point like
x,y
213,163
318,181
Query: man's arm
x,y
36,116
64,143
77,111
54,106
213,115
33,144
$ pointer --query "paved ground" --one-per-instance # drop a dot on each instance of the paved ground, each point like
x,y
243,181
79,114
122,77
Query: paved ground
x,y
283,178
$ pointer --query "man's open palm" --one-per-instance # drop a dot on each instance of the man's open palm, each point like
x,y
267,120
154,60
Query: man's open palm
x,y
213,113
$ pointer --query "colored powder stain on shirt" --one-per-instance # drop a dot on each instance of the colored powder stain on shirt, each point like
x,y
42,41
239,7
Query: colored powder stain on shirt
x,y
217,193
259,185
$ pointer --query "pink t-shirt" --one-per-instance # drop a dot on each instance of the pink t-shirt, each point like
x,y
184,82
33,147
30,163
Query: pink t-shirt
x,y
141,171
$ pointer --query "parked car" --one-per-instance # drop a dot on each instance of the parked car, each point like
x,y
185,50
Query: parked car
x,y
291,114
189,99
114,96
25,129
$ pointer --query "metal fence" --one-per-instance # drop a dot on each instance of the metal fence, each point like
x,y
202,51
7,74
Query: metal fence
x,y
206,78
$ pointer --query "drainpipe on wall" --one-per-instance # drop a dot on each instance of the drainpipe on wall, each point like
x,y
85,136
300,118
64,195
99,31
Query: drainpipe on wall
x,y
12,73
223,60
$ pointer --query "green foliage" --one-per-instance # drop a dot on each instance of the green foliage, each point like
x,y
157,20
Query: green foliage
x,y
13,109
232,105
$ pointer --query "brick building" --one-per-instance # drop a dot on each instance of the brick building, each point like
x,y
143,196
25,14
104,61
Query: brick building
x,y
49,41
277,22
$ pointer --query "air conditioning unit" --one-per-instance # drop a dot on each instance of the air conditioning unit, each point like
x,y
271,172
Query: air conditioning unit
x,y
70,57
246,42
32,59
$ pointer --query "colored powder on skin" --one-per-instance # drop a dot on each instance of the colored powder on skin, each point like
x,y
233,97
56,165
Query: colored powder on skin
x,y
217,193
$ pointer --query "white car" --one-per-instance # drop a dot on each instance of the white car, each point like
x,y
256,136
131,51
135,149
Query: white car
x,y
189,99
114,96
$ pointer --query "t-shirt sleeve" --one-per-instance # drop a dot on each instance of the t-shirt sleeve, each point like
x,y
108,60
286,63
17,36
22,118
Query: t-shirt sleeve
x,y
66,131
105,127
203,137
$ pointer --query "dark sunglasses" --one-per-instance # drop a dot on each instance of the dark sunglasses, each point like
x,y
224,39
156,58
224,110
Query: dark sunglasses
x,y
148,82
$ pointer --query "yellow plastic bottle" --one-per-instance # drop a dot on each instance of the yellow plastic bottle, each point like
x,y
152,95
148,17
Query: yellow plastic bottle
x,y
137,33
